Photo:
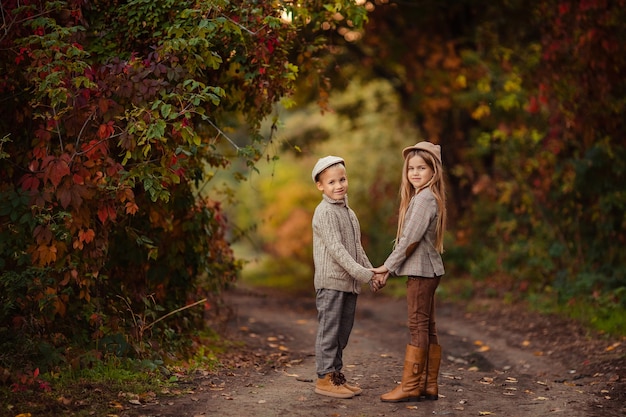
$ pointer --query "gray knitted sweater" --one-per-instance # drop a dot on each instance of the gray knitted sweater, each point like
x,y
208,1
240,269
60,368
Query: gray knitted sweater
x,y
340,261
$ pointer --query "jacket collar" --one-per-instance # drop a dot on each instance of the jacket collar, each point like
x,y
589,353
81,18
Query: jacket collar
x,y
342,203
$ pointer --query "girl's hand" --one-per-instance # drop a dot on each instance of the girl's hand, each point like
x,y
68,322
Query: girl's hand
x,y
378,282
380,270
382,280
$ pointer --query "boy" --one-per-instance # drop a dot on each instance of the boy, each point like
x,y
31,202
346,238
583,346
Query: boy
x,y
341,267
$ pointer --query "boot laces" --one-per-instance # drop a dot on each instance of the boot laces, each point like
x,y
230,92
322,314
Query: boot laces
x,y
337,378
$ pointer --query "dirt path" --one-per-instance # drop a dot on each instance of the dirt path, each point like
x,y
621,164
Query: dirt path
x,y
494,364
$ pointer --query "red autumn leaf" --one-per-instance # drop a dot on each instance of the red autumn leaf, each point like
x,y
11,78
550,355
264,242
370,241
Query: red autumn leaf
x,y
113,168
95,149
131,208
86,236
77,192
30,182
57,169
103,104
42,235
42,134
65,196
105,130
39,152
112,213
103,213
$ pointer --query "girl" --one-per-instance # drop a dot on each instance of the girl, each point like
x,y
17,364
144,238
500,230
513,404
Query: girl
x,y
417,254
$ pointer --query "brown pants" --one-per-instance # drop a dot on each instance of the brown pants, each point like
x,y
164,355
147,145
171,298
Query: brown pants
x,y
420,296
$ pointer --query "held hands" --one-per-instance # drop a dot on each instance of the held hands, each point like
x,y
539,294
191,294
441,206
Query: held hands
x,y
380,278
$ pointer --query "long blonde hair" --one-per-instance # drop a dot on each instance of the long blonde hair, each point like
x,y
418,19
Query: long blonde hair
x,y
436,185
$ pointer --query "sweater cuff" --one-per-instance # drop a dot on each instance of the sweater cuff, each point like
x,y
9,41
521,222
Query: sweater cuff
x,y
365,276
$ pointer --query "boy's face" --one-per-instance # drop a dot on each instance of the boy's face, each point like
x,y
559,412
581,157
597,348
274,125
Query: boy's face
x,y
333,182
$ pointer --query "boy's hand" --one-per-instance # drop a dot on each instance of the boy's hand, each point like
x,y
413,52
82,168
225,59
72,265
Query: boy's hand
x,y
378,281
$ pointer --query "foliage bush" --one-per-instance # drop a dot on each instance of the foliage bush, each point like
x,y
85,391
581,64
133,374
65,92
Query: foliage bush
x,y
112,114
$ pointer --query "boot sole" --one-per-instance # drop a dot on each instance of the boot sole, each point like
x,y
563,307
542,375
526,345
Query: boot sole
x,y
356,392
403,400
334,394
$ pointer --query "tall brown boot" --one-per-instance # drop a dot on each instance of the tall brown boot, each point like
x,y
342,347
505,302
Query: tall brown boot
x,y
413,377
432,372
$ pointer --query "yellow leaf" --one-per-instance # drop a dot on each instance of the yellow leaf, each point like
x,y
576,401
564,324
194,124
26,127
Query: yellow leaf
x,y
461,81
481,111
485,413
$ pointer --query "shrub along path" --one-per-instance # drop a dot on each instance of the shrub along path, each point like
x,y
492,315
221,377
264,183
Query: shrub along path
x,y
498,361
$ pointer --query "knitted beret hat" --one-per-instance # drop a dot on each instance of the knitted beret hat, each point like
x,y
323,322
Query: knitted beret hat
x,y
324,163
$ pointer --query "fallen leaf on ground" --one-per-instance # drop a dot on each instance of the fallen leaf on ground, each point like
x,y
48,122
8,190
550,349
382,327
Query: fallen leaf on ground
x,y
485,413
486,380
116,404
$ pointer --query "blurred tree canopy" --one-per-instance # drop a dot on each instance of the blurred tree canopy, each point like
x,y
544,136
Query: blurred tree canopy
x,y
527,101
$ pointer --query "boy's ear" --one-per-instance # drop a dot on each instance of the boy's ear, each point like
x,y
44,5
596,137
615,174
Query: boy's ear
x,y
319,186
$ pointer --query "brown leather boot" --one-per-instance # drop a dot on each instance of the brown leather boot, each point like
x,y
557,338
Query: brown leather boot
x,y
432,372
332,386
413,377
354,388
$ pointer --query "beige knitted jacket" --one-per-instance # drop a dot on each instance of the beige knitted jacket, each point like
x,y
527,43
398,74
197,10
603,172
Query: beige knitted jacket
x,y
340,261
420,229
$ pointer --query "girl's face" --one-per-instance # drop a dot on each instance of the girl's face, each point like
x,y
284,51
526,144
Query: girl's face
x,y
418,172
334,182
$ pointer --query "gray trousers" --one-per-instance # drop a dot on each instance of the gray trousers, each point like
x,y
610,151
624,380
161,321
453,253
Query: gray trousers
x,y
335,318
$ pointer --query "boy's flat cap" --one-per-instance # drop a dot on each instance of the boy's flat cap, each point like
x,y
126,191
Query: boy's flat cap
x,y
324,163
